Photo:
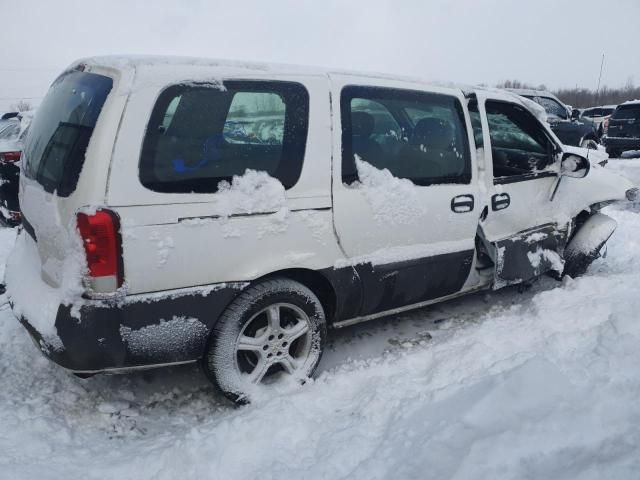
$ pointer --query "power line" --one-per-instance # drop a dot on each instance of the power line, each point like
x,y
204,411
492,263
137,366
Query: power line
x,y
21,98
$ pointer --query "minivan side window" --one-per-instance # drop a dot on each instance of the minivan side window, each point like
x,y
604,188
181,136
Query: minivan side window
x,y
416,135
201,134
519,144
552,107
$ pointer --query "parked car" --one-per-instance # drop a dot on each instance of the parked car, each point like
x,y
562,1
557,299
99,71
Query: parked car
x,y
12,134
564,121
152,239
623,130
598,115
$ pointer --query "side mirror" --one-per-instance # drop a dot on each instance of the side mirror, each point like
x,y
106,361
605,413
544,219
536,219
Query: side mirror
x,y
575,114
574,166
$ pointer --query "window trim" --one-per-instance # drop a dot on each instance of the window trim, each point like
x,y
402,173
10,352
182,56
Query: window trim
x,y
506,179
351,91
522,178
243,85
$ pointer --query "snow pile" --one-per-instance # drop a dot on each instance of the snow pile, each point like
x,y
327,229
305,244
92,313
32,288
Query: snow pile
x,y
393,201
255,191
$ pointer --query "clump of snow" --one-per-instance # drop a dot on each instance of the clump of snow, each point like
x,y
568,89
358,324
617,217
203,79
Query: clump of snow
x,y
536,237
164,246
393,200
253,192
555,260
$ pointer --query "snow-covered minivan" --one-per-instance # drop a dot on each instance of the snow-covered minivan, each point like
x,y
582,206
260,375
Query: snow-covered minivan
x,y
183,210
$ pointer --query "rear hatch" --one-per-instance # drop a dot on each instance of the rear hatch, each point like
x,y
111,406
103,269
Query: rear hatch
x,y
625,122
59,139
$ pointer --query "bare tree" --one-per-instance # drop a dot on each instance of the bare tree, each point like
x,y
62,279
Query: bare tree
x,y
585,97
21,106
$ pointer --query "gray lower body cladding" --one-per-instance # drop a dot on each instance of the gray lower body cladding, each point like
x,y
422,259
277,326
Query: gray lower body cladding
x,y
173,327
141,331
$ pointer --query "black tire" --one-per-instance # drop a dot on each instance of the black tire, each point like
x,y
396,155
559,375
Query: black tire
x,y
576,264
613,153
231,368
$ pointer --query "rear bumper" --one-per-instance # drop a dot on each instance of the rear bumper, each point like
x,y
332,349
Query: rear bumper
x,y
141,331
621,143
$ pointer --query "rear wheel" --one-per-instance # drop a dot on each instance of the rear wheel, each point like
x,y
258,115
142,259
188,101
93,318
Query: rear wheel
x,y
273,332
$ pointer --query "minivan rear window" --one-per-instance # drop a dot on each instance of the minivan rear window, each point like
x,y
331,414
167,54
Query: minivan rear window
x,y
60,132
201,134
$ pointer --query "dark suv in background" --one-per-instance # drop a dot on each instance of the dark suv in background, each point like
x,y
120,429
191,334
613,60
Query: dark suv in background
x,y
565,122
623,130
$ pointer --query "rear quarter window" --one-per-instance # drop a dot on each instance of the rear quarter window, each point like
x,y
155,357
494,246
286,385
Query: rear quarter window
x,y
200,135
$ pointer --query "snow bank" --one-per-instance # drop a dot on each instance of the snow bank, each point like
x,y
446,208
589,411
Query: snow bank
x,y
539,385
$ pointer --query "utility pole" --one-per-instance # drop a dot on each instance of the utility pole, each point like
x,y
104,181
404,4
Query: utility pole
x,y
599,78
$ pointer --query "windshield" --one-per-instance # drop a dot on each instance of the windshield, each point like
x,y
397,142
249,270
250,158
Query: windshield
x,y
552,107
9,129
60,132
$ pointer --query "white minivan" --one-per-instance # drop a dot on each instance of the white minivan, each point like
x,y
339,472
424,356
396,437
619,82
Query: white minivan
x,y
182,210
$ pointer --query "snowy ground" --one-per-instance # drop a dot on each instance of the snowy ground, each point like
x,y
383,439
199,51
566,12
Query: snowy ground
x,y
508,385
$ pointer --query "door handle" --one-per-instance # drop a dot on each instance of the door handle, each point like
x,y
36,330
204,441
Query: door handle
x,y
500,201
462,203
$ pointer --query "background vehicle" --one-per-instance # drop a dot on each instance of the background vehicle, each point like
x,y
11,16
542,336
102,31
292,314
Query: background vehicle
x,y
12,136
160,229
623,131
571,130
598,115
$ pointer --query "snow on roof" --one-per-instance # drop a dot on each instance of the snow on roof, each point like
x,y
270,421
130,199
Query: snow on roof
x,y
124,62
631,102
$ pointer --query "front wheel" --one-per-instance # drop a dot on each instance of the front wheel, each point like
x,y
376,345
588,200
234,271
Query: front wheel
x,y
613,153
273,331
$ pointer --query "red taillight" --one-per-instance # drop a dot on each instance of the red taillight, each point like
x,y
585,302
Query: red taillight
x,y
10,157
605,125
101,238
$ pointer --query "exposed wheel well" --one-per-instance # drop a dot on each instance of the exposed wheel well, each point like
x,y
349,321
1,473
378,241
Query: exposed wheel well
x,y
316,282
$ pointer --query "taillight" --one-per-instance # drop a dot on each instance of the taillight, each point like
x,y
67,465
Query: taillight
x,y
605,125
100,233
9,157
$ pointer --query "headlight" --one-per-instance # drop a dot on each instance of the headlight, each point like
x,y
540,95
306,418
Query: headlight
x,y
633,194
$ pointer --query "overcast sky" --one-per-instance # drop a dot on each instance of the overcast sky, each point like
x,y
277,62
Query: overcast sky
x,y
555,42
